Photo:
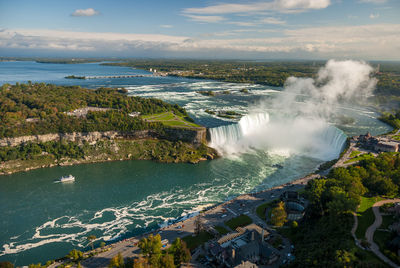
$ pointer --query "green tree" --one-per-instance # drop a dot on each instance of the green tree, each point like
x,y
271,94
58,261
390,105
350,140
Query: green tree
x,y
341,201
39,265
91,238
117,261
315,190
6,264
151,248
75,255
167,261
180,252
151,245
279,215
141,263
344,257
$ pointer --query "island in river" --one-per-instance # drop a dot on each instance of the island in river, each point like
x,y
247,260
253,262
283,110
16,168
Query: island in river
x,y
44,125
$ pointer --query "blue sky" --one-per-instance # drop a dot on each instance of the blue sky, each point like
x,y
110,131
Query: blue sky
x,y
317,29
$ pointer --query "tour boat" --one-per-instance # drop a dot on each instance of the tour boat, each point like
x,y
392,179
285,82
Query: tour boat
x,y
69,178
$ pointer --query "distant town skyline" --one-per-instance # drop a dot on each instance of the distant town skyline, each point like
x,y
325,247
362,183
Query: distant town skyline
x,y
273,29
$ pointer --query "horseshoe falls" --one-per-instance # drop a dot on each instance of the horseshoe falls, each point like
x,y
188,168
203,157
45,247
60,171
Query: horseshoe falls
x,y
310,137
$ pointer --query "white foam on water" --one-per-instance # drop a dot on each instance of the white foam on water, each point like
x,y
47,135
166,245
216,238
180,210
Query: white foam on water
x,y
113,222
288,136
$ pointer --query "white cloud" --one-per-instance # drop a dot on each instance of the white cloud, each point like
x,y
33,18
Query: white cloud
x,y
378,41
267,20
85,12
243,23
199,18
166,26
272,20
284,6
374,16
372,1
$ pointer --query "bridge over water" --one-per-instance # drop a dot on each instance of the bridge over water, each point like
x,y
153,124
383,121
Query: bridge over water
x,y
121,76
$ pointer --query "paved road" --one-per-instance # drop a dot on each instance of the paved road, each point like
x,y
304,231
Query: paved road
x,y
243,204
369,234
346,156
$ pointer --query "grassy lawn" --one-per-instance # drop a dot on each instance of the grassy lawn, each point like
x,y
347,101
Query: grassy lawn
x,y
239,221
360,157
261,210
354,153
170,119
365,215
222,230
195,241
396,137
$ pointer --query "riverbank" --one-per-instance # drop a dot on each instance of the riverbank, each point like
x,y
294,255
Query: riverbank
x,y
214,215
116,150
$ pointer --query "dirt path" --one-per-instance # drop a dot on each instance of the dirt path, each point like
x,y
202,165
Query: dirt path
x,y
369,234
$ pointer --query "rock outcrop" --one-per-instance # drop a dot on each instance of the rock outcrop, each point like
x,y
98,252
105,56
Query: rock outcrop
x,y
194,136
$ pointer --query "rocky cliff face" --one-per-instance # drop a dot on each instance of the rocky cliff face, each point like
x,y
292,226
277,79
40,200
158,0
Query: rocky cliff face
x,y
193,136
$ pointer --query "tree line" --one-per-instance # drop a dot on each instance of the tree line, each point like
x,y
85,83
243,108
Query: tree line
x,y
272,73
323,239
32,109
153,255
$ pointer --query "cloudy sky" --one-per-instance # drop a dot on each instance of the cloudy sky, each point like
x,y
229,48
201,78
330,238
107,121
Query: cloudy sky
x,y
269,29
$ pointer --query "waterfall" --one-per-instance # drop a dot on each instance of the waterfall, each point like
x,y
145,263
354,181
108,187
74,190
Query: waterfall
x,y
227,139
311,137
329,143
229,134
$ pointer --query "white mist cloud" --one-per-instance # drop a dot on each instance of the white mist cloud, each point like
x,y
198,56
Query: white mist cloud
x,y
300,122
85,12
337,81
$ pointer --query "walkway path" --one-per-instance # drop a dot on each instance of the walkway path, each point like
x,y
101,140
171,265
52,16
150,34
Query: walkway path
x,y
353,231
369,234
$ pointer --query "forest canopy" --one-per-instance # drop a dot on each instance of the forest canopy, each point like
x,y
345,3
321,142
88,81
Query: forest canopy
x,y
32,109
